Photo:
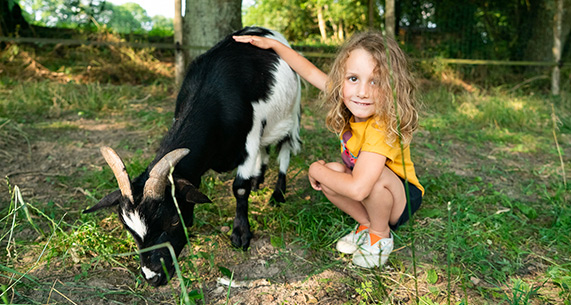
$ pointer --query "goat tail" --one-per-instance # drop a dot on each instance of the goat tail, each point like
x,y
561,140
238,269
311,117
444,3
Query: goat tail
x,y
295,138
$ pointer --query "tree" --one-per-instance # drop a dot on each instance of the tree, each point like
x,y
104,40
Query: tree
x,y
208,21
162,26
346,17
65,13
11,18
540,43
487,29
178,40
127,18
323,20
390,18
290,17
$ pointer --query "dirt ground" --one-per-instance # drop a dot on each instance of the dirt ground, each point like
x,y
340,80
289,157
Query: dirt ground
x,y
33,158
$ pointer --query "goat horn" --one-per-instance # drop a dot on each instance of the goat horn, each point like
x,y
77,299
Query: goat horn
x,y
157,182
118,168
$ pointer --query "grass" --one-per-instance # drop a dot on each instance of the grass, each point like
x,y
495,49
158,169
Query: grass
x,y
493,227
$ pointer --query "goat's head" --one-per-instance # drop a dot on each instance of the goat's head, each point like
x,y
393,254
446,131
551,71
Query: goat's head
x,y
149,213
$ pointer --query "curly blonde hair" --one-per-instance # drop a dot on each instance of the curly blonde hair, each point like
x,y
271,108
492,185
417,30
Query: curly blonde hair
x,y
394,81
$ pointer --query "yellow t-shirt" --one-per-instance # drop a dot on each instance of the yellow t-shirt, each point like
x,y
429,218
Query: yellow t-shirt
x,y
366,136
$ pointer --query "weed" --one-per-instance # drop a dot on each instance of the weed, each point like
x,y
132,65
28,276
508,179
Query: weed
x,y
522,292
365,292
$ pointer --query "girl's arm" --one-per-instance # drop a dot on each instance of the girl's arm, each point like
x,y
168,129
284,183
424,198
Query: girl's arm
x,y
356,185
297,62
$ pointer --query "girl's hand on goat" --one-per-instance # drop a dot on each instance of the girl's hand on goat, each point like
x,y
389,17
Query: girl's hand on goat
x,y
258,41
296,61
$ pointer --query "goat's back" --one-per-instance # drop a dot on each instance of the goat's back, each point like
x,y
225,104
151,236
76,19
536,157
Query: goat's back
x,y
224,91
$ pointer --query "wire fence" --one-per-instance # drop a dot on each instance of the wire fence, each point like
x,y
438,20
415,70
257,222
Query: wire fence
x,y
174,46
319,56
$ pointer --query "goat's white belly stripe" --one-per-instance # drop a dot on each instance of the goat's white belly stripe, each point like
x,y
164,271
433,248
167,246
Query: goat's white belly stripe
x,y
280,111
135,223
148,273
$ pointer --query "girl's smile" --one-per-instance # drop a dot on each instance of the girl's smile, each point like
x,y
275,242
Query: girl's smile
x,y
361,103
359,85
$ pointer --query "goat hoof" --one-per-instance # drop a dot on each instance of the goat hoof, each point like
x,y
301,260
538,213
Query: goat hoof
x,y
256,183
241,240
277,199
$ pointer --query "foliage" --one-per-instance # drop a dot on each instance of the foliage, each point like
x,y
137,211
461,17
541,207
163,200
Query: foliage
x,y
298,19
451,29
286,16
468,29
475,26
11,4
162,26
64,13
127,18
89,14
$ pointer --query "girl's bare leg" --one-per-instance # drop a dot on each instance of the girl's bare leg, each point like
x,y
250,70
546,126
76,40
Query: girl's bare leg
x,y
385,204
353,208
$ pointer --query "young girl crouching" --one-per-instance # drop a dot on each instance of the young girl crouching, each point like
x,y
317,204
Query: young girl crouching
x,y
371,94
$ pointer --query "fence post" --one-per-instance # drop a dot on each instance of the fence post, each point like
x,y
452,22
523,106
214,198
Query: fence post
x,y
557,48
179,54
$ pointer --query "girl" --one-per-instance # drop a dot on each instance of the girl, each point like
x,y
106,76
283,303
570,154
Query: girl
x,y
368,77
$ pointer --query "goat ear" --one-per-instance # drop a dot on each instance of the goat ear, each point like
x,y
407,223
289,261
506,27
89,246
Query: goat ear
x,y
195,196
107,201
190,193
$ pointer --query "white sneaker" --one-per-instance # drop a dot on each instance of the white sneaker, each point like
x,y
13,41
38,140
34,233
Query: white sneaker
x,y
369,256
350,243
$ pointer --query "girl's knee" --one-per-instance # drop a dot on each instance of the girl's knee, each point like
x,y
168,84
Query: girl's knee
x,y
388,184
338,167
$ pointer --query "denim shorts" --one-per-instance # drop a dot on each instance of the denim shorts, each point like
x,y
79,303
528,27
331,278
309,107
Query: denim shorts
x,y
415,196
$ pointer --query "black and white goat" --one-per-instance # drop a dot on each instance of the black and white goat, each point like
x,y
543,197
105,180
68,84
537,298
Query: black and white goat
x,y
234,102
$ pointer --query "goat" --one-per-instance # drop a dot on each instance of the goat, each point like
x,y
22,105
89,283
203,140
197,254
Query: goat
x,y
235,101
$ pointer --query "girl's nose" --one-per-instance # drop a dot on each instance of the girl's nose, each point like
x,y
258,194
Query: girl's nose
x,y
363,90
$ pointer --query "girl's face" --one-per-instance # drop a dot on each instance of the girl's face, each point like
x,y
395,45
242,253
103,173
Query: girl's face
x,y
359,86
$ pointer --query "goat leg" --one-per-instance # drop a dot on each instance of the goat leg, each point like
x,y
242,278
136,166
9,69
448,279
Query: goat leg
x,y
241,234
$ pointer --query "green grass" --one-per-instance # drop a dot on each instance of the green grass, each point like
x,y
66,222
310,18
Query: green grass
x,y
493,227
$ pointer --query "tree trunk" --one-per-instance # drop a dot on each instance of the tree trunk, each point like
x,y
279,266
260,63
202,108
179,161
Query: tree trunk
x,y
371,14
557,47
321,23
11,19
208,21
390,18
341,32
540,45
180,67
334,27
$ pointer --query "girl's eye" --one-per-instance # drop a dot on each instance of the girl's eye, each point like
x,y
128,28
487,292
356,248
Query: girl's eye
x,y
352,78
